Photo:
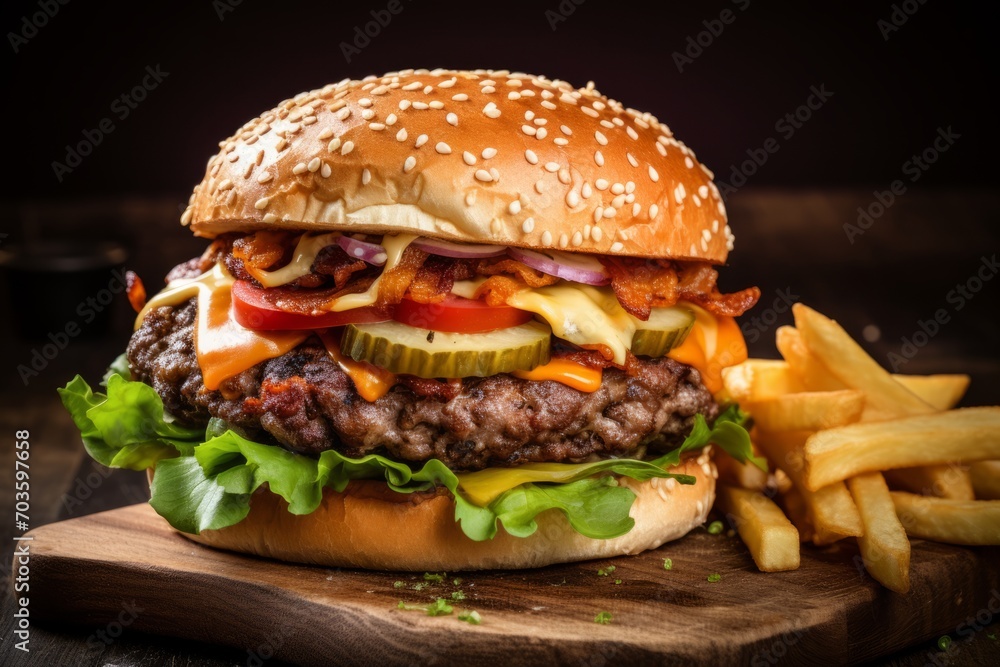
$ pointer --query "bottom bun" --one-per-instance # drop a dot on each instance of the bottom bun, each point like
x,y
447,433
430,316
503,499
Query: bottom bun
x,y
368,526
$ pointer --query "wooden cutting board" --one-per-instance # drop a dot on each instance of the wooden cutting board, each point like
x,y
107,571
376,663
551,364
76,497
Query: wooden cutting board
x,y
127,566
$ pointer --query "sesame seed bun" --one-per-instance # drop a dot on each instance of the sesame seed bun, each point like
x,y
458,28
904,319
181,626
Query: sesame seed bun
x,y
472,156
350,529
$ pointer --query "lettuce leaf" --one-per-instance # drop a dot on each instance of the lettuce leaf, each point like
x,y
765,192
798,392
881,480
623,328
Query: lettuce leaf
x,y
205,477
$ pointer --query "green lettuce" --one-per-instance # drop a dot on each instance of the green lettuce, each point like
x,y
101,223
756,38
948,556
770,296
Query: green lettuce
x,y
206,476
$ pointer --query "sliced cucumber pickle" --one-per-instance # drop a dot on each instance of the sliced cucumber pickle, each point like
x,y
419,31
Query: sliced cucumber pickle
x,y
665,329
400,348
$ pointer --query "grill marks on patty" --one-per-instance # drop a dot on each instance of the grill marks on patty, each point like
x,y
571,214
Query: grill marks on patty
x,y
303,401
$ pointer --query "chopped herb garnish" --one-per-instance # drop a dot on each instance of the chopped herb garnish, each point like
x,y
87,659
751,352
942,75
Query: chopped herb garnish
x,y
618,581
992,635
603,572
668,563
399,584
457,581
603,618
944,643
430,576
472,617
458,595
419,586
715,528
714,578
439,608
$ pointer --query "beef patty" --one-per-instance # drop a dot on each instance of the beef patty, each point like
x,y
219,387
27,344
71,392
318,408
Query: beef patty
x,y
304,402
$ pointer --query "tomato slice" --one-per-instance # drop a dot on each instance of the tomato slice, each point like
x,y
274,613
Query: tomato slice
x,y
459,315
258,308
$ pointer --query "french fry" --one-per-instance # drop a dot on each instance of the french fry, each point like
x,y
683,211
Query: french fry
x,y
742,475
760,379
771,538
955,436
971,522
884,547
809,410
810,371
941,391
986,480
795,508
943,481
830,508
849,363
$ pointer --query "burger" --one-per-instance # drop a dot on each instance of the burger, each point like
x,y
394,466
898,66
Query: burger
x,y
447,320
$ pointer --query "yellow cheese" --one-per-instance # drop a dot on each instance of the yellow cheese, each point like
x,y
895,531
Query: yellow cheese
x,y
371,381
301,265
569,373
484,486
394,247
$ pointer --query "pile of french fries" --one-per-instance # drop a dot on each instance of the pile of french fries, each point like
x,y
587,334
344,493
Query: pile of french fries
x,y
857,452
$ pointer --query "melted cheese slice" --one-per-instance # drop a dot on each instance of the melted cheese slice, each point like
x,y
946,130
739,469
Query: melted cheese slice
x,y
714,343
224,348
569,373
306,251
371,381
394,247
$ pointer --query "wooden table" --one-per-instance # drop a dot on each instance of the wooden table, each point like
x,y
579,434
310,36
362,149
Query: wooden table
x,y
894,276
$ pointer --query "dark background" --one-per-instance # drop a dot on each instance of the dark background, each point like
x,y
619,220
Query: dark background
x,y
227,62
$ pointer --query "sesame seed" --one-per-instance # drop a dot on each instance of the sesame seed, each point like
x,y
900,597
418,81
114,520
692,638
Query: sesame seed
x,y
364,102
401,135
610,212
390,119
404,105
270,217
630,187
308,120
618,202
528,225
692,250
689,163
548,105
704,245
529,114
264,177
529,130
442,148
428,90
653,210
412,86
563,240
452,119
421,140
617,189
470,198
514,207
632,133
653,175
715,226
513,95
368,114
344,113
488,89
596,233
636,209
314,164
599,158
721,207
617,247
326,134
420,106
577,239
448,84
598,213
262,203
679,193
409,164
436,104
541,133
483,175
488,153
608,124
376,126
283,144
601,184
540,121
586,190
696,199
539,186
366,176
631,160
590,112
530,156
491,110
347,147
380,90
572,198
559,141
514,83
325,171
300,168
703,192
494,173
469,158
546,237
552,167
601,139
460,97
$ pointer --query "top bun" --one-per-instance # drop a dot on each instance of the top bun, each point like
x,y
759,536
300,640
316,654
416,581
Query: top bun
x,y
472,156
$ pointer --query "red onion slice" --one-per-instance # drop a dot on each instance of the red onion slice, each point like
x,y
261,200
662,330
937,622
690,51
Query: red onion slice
x,y
372,253
457,250
576,268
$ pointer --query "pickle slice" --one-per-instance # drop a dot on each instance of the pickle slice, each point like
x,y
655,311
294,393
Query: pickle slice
x,y
665,329
400,348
